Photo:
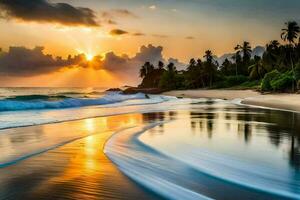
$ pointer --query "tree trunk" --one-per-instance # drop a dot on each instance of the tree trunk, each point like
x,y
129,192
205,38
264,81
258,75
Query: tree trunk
x,y
293,84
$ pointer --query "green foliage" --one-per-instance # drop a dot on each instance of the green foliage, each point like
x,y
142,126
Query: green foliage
x,y
275,81
231,81
283,81
274,71
171,80
235,80
266,82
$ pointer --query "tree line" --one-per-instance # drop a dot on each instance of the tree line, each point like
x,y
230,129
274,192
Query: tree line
x,y
278,69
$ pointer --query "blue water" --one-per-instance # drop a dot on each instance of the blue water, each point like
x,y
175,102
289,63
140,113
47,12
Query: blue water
x,y
33,106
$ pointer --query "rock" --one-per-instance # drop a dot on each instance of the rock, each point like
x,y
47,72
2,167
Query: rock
x,y
134,90
114,90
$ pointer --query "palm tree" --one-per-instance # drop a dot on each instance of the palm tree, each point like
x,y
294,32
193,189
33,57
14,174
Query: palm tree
x,y
191,65
237,58
209,56
143,71
146,69
272,45
225,66
245,50
271,56
209,66
161,65
171,67
290,34
257,70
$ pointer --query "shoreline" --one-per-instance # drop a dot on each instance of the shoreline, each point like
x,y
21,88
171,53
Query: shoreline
x,y
77,165
283,101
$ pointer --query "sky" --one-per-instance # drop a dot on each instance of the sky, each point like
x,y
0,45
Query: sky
x,y
102,43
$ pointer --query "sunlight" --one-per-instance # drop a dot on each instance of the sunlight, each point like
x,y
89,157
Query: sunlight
x,y
90,125
89,56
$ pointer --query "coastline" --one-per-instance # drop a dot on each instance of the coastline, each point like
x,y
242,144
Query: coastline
x,y
282,101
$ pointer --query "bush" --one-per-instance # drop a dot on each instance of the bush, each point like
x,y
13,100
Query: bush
x,y
266,82
277,81
235,80
282,81
230,81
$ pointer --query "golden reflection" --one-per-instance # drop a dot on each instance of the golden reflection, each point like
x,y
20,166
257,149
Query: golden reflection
x,y
89,125
89,158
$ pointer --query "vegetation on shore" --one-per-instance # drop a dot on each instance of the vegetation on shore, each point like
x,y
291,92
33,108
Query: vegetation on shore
x,y
277,70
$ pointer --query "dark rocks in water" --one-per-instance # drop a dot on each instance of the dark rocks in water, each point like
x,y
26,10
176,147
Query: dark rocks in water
x,y
134,90
114,90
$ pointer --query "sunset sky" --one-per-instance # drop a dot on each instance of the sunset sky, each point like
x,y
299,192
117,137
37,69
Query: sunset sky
x,y
109,39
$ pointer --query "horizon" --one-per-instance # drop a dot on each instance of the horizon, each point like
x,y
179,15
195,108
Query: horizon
x,y
109,41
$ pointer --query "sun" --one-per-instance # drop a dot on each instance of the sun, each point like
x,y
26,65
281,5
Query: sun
x,y
89,57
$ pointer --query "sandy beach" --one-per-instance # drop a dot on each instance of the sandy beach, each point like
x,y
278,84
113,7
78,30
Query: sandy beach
x,y
77,169
250,97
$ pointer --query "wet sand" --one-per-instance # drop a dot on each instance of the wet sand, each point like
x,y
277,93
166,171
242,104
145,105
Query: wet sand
x,y
77,170
278,101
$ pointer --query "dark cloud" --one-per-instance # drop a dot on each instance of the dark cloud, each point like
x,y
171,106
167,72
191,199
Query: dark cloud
x,y
123,13
116,32
112,22
190,38
119,13
127,68
20,61
114,15
138,34
149,53
44,11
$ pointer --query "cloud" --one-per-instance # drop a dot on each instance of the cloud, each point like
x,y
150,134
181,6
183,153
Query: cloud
x,y
124,64
115,14
190,38
179,65
138,34
20,61
112,22
116,32
152,7
44,11
149,53
123,13
118,13
24,62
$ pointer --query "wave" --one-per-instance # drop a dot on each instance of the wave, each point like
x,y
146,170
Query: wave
x,y
142,165
175,179
36,97
34,102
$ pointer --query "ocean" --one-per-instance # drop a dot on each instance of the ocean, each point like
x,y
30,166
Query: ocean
x,y
71,143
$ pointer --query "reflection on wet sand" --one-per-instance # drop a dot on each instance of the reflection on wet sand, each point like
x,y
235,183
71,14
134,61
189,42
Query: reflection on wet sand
x,y
78,170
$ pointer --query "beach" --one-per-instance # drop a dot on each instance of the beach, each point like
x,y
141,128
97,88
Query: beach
x,y
279,100
76,168
116,146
